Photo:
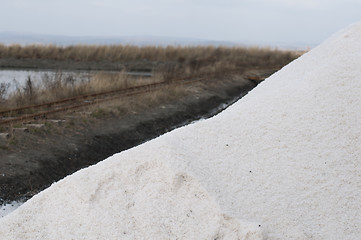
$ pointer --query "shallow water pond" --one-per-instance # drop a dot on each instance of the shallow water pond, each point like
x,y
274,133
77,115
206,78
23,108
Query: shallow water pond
x,y
10,80
17,78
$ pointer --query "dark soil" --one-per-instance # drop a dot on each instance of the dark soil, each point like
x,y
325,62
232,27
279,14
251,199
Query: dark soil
x,y
34,160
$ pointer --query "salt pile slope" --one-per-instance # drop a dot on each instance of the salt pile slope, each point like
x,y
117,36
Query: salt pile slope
x,y
131,199
288,155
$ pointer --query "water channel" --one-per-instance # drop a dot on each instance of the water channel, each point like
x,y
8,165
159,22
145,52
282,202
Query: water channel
x,y
13,79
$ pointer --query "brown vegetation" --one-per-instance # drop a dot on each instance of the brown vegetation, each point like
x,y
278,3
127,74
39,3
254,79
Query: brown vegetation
x,y
194,57
168,63
188,59
61,86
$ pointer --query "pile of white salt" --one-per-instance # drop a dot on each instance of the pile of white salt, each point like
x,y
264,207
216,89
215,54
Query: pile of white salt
x,y
130,199
286,157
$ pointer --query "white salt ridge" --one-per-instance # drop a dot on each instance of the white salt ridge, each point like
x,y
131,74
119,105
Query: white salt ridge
x,y
130,199
286,157
288,154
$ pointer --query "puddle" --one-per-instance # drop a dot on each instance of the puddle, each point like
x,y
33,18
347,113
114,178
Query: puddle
x,y
7,208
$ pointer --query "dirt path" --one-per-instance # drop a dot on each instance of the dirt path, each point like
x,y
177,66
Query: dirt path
x,y
40,157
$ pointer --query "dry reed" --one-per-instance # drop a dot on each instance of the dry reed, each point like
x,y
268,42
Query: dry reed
x,y
193,56
172,62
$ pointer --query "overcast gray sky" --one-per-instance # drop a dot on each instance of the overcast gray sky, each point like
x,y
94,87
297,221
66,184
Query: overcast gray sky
x,y
258,21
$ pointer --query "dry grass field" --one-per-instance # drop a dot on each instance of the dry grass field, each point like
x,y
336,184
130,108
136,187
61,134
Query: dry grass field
x,y
68,141
166,63
119,53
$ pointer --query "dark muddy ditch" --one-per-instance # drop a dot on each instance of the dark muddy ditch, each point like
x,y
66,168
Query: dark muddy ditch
x,y
36,169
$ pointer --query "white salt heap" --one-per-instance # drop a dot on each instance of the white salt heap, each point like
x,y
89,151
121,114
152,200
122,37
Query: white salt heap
x,y
285,157
130,199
